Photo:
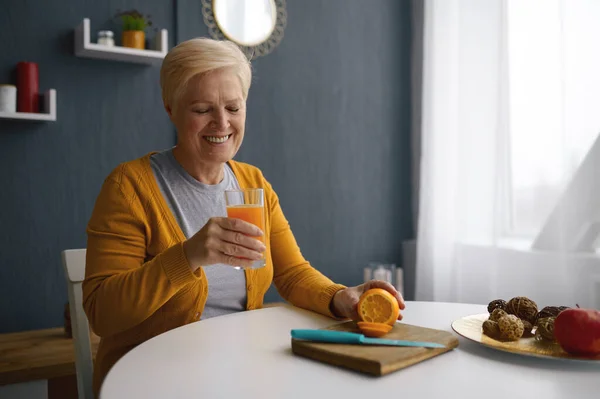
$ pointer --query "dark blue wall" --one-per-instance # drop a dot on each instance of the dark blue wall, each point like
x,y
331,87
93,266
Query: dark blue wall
x,y
328,123
51,172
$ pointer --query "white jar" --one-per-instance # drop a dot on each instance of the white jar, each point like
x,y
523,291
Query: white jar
x,y
8,98
106,38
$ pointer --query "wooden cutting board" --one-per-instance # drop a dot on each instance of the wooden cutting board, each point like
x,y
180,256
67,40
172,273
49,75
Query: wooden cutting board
x,y
377,360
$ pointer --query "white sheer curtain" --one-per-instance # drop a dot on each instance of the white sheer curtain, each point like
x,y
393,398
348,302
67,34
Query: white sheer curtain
x,y
510,109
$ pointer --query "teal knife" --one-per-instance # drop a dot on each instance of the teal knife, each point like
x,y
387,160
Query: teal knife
x,y
344,337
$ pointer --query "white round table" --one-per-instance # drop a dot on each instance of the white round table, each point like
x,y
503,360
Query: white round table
x,y
248,355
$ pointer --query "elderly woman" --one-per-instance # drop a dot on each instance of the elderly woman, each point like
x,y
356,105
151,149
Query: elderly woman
x,y
160,251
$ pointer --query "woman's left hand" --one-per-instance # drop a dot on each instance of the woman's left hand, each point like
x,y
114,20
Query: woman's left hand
x,y
344,303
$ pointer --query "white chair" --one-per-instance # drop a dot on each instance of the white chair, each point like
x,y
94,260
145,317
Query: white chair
x,y
74,265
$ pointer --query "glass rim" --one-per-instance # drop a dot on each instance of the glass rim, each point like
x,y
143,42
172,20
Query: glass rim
x,y
385,264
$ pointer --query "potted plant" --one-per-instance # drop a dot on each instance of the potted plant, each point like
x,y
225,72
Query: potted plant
x,y
134,25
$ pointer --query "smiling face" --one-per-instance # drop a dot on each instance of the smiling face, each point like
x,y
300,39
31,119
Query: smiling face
x,y
210,118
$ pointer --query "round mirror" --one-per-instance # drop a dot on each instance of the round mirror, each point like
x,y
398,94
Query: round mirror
x,y
256,26
246,22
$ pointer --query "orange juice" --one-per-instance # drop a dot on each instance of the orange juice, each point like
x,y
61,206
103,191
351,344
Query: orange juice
x,y
254,214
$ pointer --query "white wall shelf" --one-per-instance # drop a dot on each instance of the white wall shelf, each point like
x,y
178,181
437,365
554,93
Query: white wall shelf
x,y
48,106
86,49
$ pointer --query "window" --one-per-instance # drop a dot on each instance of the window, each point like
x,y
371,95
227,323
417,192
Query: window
x,y
553,102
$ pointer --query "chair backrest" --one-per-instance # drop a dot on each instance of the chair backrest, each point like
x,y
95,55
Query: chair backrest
x,y
74,264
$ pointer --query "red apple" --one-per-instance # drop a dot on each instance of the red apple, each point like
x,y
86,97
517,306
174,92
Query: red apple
x,y
578,331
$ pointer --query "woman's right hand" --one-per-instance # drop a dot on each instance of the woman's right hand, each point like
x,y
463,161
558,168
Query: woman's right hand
x,y
224,240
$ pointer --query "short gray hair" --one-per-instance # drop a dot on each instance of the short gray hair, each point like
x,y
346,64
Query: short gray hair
x,y
199,56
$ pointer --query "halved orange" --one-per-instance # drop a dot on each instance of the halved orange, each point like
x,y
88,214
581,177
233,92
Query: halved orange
x,y
374,330
378,306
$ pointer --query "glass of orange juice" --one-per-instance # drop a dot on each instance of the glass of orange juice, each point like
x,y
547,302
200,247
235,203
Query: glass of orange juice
x,y
248,204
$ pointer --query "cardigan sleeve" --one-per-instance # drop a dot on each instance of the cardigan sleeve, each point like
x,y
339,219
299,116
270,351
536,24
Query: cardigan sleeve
x,y
295,279
122,286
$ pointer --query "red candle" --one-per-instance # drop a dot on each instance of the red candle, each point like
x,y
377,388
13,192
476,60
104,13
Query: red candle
x,y
27,87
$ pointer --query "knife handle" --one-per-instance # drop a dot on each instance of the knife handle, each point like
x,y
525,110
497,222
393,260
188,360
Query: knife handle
x,y
339,337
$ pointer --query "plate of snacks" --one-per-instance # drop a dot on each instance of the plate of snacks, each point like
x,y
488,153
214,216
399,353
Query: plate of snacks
x,y
519,326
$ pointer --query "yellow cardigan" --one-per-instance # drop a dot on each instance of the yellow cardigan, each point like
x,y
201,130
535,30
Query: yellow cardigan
x,y
138,282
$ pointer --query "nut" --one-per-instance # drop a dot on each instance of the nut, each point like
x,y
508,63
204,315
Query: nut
x,y
491,329
497,314
527,327
545,329
496,304
511,327
548,311
522,307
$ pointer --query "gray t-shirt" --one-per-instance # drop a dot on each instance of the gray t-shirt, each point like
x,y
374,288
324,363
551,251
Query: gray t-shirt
x,y
192,204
